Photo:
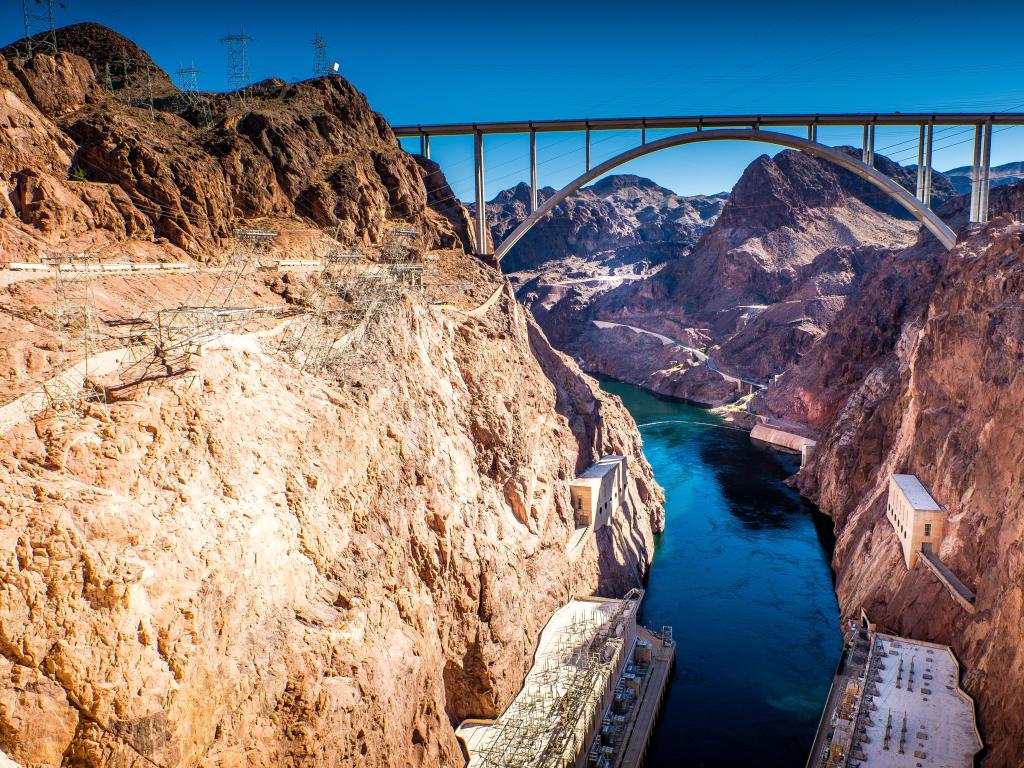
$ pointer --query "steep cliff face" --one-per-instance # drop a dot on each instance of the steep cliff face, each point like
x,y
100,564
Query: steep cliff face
x,y
624,219
274,568
100,154
252,564
924,375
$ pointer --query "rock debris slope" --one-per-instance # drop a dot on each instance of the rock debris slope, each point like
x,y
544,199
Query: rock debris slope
x,y
254,565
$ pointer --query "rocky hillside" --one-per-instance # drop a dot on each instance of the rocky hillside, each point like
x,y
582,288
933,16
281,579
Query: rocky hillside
x,y
625,219
922,374
760,286
247,561
98,156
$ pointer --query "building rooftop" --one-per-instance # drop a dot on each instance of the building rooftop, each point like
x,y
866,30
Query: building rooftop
x,y
565,682
603,466
938,716
916,493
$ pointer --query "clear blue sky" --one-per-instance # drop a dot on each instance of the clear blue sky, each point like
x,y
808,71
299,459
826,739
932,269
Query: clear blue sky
x,y
460,61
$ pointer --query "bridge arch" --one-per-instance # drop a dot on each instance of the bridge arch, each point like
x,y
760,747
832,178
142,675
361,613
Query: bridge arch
x,y
921,212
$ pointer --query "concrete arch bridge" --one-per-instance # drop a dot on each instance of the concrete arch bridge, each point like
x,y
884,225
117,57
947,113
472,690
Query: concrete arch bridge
x,y
756,128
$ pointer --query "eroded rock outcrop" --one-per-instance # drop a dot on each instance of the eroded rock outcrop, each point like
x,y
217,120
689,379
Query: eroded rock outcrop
x,y
762,284
923,375
252,564
116,153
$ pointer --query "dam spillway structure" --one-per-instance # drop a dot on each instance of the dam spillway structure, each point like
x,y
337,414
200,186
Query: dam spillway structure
x,y
590,699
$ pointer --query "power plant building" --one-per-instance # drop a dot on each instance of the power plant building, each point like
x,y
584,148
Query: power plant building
x,y
598,493
919,520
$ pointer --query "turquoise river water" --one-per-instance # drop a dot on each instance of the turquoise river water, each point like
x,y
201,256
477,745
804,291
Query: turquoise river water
x,y
742,575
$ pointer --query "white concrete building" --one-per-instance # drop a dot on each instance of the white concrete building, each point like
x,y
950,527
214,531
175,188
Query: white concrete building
x,y
598,493
919,520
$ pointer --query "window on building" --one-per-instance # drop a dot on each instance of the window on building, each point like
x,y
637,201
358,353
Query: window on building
x,y
927,529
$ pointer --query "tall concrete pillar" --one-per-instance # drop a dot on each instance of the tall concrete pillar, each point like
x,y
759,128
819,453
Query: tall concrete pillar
x,y
976,175
643,135
927,192
864,145
812,132
588,149
533,171
481,206
426,146
870,145
986,167
919,184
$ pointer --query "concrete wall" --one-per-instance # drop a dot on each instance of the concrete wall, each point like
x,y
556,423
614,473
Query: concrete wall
x,y
914,527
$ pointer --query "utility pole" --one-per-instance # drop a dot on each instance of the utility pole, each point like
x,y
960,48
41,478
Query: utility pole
x,y
320,65
238,62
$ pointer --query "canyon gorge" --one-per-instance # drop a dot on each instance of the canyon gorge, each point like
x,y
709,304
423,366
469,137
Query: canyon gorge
x,y
255,557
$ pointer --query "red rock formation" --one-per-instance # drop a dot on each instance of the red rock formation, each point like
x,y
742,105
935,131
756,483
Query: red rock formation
x,y
759,288
924,375
257,565
101,167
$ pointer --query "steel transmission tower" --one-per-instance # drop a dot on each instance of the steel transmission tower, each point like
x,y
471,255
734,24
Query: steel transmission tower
x,y
40,33
320,66
238,62
187,83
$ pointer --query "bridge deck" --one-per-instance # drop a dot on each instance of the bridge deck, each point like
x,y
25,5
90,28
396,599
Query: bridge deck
x,y
711,121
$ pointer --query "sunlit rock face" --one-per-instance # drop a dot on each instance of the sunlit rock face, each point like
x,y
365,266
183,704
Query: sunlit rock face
x,y
253,564
922,374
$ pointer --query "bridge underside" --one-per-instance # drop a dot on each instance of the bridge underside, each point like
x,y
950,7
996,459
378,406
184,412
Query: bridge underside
x,y
740,128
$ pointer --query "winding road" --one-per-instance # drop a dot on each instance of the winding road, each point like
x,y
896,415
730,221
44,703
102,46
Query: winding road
x,y
705,358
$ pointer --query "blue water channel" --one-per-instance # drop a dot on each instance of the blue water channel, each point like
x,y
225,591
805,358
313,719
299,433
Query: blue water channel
x,y
742,575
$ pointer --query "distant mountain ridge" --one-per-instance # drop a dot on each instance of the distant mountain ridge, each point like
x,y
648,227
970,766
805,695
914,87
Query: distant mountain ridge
x,y
627,216
999,175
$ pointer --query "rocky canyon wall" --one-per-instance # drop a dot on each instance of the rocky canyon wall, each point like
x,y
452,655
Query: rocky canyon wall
x,y
252,564
924,375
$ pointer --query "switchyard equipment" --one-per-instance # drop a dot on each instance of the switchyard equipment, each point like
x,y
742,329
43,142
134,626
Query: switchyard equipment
x,y
560,708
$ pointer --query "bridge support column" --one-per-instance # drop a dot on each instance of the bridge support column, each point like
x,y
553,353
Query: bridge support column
x,y
812,132
588,149
986,167
643,135
919,183
926,192
481,206
867,154
533,171
425,145
980,135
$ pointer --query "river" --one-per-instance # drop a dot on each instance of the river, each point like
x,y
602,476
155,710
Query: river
x,y
742,575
